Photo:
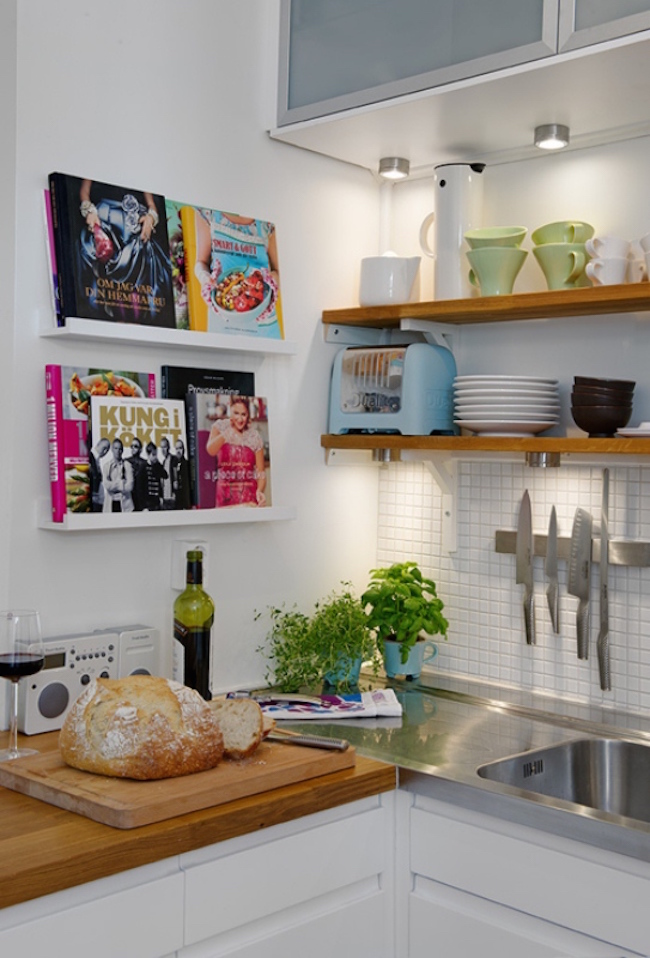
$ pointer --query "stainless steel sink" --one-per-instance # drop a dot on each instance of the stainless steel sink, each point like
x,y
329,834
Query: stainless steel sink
x,y
611,775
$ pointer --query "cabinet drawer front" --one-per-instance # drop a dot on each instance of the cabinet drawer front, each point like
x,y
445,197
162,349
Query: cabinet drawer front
x,y
141,922
251,884
531,878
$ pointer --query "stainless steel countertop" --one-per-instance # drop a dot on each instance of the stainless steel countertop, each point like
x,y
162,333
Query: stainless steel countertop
x,y
451,725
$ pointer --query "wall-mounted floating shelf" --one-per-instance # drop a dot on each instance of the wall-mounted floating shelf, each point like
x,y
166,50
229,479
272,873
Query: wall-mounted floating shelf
x,y
96,521
132,334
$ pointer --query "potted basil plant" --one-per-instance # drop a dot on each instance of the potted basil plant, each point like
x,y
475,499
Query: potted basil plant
x,y
401,604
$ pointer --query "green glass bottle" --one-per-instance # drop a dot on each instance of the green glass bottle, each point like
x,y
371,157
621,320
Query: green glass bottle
x,y
193,619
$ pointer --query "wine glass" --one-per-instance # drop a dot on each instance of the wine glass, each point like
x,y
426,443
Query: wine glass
x,y
21,653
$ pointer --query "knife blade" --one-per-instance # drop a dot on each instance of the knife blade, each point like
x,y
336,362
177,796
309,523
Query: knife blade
x,y
580,576
524,564
550,568
602,644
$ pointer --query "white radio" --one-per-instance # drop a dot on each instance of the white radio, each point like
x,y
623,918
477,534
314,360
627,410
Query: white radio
x,y
72,661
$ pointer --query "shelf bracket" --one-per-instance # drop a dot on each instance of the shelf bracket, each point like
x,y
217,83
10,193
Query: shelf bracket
x,y
436,334
355,335
443,469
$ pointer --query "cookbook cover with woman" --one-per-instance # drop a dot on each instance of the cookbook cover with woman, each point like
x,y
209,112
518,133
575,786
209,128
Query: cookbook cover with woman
x,y
228,437
232,274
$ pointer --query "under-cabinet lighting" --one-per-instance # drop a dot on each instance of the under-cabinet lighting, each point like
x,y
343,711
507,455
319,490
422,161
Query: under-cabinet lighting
x,y
551,136
547,460
394,167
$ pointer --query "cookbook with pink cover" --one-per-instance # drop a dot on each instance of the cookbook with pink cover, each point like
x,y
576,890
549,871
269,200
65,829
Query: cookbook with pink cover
x,y
67,395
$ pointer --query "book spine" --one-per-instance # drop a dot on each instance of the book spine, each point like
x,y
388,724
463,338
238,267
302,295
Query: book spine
x,y
198,308
51,257
190,425
60,226
54,407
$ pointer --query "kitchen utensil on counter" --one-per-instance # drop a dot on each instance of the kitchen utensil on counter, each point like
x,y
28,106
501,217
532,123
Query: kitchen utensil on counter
x,y
607,272
495,268
458,208
563,231
602,644
495,236
562,264
580,576
290,737
524,564
550,568
389,279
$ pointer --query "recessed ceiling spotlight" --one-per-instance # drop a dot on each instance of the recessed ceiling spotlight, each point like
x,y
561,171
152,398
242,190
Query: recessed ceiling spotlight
x,y
551,136
394,167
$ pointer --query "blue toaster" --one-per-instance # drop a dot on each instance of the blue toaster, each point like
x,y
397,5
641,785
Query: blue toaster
x,y
393,389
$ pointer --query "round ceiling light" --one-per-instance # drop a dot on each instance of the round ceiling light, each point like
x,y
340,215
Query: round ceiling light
x,y
394,167
551,136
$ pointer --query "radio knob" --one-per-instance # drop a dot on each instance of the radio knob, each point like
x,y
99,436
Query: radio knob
x,y
85,679
104,675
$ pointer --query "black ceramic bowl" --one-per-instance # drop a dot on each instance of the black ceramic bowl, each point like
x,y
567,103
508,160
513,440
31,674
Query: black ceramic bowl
x,y
600,421
600,398
622,385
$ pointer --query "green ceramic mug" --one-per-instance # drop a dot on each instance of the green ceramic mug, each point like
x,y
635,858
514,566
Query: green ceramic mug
x,y
495,236
563,264
563,231
423,651
495,268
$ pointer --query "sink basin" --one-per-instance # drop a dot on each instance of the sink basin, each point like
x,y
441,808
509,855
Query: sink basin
x,y
610,775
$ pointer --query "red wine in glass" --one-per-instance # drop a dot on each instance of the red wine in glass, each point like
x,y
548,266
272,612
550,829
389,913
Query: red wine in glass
x,y
16,665
21,653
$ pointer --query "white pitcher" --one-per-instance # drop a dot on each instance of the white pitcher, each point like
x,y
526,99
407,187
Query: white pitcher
x,y
458,208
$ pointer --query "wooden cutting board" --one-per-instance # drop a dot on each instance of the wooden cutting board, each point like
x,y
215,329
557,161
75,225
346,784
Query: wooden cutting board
x,y
124,803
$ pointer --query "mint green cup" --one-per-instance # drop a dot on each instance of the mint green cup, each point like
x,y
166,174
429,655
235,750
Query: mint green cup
x,y
495,268
495,236
563,264
563,231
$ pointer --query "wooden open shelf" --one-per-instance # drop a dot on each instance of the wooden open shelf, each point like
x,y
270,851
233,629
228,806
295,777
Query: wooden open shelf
x,y
551,304
543,444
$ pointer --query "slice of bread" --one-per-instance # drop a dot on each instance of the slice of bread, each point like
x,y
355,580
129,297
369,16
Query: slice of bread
x,y
241,722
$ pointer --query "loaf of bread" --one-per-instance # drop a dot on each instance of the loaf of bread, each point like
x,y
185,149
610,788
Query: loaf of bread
x,y
241,722
141,727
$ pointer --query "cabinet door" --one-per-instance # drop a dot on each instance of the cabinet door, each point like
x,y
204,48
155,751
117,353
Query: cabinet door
x,y
337,54
583,22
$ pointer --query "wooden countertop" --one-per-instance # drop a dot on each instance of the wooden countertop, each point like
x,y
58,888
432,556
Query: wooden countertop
x,y
44,849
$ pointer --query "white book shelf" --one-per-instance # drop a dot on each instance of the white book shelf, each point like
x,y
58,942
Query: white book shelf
x,y
98,330
96,521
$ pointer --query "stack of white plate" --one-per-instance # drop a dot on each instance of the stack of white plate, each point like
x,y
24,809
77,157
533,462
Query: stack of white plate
x,y
506,405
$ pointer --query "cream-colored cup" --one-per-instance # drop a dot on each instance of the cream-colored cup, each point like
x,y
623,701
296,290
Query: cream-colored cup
x,y
607,247
636,269
644,243
647,263
607,272
495,268
564,231
495,236
563,264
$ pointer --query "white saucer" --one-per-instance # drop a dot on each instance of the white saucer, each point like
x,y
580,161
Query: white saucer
x,y
631,433
502,427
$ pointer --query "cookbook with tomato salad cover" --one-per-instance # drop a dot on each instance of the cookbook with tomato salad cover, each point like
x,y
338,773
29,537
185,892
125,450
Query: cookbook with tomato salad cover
x,y
228,439
73,466
231,273
112,252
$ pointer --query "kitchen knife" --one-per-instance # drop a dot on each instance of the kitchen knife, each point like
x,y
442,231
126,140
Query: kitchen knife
x,y
314,741
580,575
524,564
602,644
550,568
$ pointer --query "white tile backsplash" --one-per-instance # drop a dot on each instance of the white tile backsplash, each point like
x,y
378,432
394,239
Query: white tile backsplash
x,y
477,585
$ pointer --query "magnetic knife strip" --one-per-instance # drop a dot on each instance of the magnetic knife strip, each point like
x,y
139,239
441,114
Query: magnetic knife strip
x,y
623,552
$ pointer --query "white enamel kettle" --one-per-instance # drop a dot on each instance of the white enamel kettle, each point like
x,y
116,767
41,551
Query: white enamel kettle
x,y
458,208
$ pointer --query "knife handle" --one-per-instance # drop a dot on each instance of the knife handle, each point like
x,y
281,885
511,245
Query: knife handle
x,y
529,616
582,628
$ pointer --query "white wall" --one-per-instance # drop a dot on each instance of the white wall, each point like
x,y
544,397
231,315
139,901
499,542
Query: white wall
x,y
177,98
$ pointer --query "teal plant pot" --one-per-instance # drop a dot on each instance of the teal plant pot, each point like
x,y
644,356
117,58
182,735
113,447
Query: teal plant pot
x,y
423,651
346,674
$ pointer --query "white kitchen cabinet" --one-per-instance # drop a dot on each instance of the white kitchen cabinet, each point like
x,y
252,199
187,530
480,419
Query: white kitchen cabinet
x,y
478,885
141,919
319,886
338,54
585,22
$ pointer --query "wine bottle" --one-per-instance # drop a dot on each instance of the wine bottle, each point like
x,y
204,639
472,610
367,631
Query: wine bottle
x,y
193,619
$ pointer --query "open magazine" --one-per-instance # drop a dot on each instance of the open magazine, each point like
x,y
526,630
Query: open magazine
x,y
376,704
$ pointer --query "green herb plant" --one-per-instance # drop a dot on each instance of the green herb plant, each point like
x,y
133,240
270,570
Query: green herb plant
x,y
306,650
401,603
